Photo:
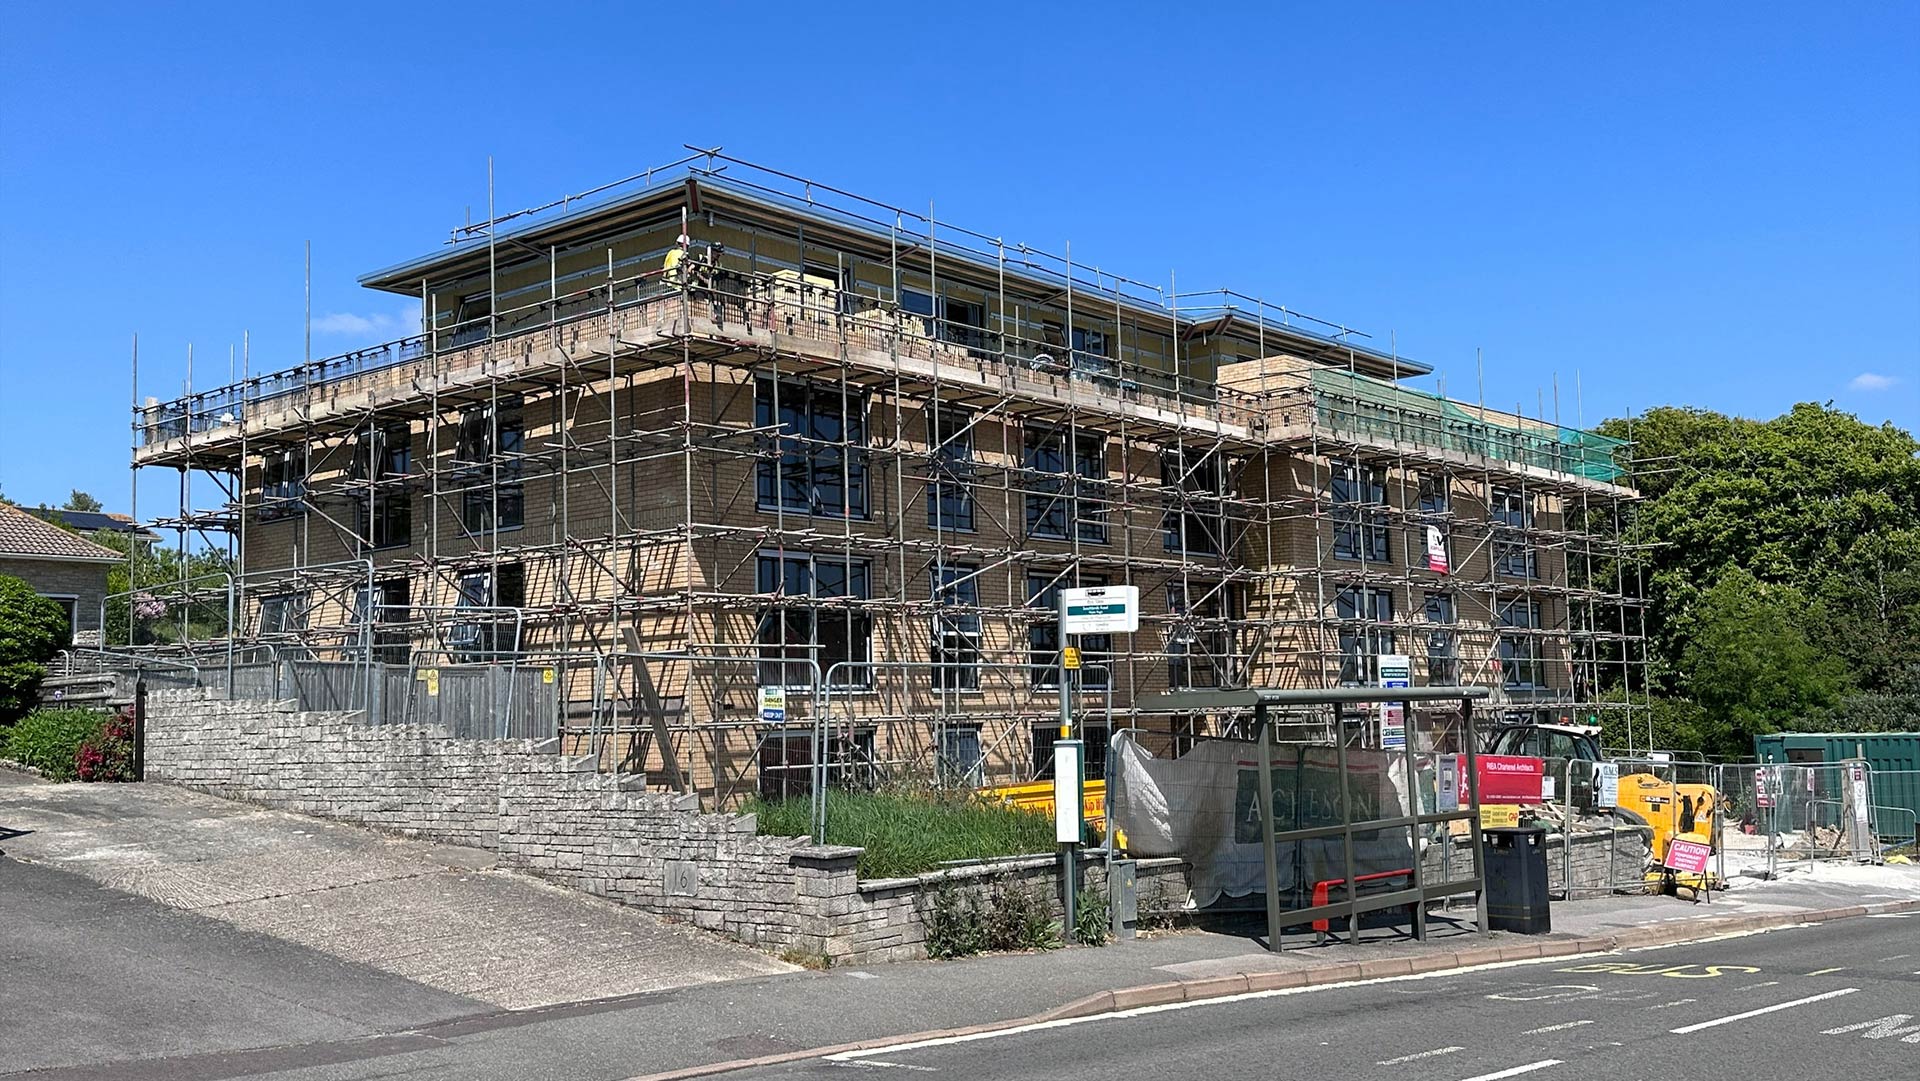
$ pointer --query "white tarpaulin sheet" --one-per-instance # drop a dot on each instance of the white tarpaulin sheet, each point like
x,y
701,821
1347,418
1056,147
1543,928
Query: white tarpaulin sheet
x,y
1203,807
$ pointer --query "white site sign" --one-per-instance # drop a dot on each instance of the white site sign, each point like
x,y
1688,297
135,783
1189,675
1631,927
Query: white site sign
x,y
773,705
1606,784
1396,670
1100,610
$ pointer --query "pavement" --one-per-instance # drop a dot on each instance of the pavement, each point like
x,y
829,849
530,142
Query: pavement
x,y
173,928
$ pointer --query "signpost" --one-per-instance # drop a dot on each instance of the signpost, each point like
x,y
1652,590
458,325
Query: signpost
x,y
1083,610
1396,671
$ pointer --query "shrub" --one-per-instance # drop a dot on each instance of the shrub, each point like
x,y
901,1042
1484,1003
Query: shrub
x,y
956,922
32,630
50,739
107,755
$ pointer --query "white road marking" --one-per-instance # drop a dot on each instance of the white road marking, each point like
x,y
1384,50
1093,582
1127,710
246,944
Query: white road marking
x,y
1537,992
1143,1011
1889,915
1762,983
1896,957
1882,1027
1764,1009
1555,1028
1435,1053
1824,971
1675,1002
1517,1070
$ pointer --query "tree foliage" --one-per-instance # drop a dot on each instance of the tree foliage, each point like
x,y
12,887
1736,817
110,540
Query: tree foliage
x,y
148,590
32,630
1784,581
80,501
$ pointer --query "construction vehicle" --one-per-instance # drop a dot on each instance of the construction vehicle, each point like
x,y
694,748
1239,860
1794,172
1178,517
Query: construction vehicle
x,y
1668,808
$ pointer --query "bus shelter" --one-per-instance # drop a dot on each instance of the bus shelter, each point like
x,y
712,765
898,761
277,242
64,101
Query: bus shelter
x,y
1415,885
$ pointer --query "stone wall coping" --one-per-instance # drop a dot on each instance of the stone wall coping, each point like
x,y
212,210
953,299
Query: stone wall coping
x,y
831,857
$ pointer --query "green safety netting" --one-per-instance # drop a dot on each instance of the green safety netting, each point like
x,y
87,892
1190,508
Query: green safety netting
x,y
1361,404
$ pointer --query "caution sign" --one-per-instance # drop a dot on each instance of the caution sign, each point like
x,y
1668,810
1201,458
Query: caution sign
x,y
1499,816
1070,658
432,676
546,675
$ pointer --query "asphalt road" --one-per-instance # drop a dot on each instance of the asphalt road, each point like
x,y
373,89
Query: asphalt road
x,y
1836,1000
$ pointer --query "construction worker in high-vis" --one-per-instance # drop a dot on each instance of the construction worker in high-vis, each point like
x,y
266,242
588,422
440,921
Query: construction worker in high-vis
x,y
670,272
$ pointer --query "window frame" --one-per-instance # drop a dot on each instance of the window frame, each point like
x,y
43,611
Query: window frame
x,y
787,655
802,459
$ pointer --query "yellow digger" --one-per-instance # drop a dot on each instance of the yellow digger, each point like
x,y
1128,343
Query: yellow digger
x,y
1669,809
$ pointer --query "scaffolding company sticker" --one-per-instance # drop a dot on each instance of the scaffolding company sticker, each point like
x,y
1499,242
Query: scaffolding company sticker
x,y
773,705
546,675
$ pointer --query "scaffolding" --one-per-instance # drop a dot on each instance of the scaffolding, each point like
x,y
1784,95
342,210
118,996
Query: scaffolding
x,y
739,426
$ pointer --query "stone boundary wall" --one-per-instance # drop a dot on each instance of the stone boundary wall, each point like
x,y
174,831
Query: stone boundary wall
x,y
557,817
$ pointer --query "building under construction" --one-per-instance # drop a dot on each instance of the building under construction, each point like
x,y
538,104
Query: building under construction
x,y
716,428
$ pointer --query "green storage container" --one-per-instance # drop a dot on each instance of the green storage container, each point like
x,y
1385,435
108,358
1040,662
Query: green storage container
x,y
1894,756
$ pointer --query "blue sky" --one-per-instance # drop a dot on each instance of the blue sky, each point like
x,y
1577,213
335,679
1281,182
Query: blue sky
x,y
1712,205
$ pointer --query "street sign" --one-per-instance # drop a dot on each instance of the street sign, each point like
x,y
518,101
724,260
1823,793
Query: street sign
x,y
1396,670
773,705
1688,856
1100,610
1070,658
1606,784
1066,791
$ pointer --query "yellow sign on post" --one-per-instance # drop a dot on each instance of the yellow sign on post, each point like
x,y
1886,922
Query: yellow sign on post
x,y
546,675
1499,816
433,682
1070,657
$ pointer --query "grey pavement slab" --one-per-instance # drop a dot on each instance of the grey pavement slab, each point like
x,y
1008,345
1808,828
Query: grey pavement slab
x,y
437,914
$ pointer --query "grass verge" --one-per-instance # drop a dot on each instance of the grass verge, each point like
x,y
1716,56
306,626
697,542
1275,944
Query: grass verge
x,y
910,833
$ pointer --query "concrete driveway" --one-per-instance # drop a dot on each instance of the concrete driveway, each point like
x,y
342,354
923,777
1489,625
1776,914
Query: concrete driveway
x,y
435,915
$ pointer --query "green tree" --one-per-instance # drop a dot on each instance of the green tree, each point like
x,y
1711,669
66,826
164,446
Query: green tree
x,y
1750,666
148,590
81,501
32,630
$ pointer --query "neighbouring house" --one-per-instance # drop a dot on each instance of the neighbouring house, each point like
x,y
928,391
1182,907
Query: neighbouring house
x,y
94,524
58,565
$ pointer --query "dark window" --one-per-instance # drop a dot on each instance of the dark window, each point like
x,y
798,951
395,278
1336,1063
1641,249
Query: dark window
x,y
1095,738
1195,484
492,634
1362,611
966,323
820,456
1359,528
489,456
283,482
283,613
1435,494
1520,661
1511,511
375,612
786,765
956,631
1443,641
1092,352
950,494
917,303
798,628
1055,498
1199,644
1043,635
958,756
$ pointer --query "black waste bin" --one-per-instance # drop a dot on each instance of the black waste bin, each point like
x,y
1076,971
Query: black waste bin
x,y
1516,868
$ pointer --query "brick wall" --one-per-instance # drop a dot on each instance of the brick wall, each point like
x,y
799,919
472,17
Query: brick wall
x,y
555,816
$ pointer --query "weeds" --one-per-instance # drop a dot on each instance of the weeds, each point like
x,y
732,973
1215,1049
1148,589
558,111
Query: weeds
x,y
909,833
1008,914
1090,923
